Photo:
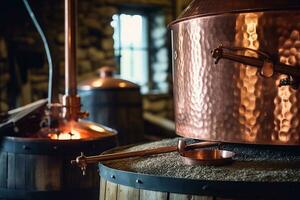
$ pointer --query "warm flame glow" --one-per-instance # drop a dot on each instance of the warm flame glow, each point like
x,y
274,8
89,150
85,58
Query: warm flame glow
x,y
97,83
68,135
122,84
96,128
77,130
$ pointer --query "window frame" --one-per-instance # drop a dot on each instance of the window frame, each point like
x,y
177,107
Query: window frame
x,y
144,11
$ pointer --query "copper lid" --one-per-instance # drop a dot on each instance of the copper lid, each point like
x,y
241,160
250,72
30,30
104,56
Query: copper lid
x,y
200,8
106,81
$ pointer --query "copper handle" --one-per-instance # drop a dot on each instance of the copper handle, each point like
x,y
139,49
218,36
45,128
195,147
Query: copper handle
x,y
263,62
106,72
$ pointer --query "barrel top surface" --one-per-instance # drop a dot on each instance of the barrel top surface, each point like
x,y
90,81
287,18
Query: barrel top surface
x,y
246,172
245,168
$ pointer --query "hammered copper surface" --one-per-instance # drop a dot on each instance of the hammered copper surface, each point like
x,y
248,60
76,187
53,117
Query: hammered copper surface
x,y
231,102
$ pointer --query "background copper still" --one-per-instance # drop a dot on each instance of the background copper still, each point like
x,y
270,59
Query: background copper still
x,y
232,102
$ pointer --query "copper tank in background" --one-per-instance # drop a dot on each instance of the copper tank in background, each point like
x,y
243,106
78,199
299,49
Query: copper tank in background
x,y
114,102
230,101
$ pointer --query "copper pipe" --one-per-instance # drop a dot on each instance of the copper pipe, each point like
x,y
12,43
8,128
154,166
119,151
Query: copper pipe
x,y
70,48
82,161
71,101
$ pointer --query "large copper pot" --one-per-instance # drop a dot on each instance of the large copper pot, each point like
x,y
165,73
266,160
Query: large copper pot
x,y
231,101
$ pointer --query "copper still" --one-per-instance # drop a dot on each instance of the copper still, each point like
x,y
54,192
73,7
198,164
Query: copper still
x,y
39,139
251,95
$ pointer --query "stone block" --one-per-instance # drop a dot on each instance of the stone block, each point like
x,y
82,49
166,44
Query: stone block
x,y
60,38
3,50
3,106
108,31
4,79
107,44
92,23
108,62
41,86
107,11
159,42
162,55
84,66
160,67
160,77
95,54
61,67
38,78
159,32
81,53
109,54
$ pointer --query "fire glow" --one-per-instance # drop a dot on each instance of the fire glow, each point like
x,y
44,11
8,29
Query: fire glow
x,y
66,135
66,132
76,131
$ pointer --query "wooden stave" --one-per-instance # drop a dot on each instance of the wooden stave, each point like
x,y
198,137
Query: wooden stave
x,y
113,191
117,108
28,174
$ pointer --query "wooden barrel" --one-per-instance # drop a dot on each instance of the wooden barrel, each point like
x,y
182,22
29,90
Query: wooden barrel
x,y
32,168
166,177
115,103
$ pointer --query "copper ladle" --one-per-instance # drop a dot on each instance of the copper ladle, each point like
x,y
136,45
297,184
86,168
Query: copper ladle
x,y
188,151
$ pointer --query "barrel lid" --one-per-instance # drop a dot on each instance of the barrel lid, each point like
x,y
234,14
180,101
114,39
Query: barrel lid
x,y
200,8
106,81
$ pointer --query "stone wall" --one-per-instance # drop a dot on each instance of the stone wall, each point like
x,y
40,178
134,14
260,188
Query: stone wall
x,y
95,49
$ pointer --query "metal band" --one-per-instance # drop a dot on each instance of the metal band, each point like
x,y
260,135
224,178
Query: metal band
x,y
227,189
57,147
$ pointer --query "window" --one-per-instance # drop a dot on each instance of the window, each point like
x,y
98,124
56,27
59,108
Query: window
x,y
131,47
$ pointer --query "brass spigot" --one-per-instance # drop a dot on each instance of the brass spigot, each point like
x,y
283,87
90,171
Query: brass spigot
x,y
82,163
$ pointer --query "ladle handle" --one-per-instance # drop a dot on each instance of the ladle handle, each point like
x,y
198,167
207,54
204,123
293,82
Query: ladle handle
x,y
82,161
264,62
